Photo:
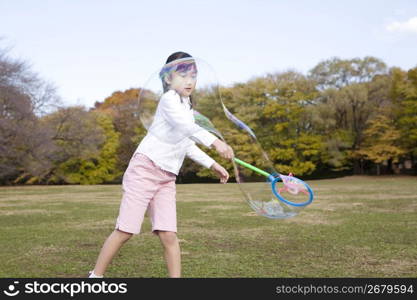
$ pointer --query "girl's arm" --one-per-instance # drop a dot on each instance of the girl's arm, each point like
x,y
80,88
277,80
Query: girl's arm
x,y
197,155
173,112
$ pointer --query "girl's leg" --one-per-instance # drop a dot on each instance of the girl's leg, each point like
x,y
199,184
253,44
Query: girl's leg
x,y
172,252
111,246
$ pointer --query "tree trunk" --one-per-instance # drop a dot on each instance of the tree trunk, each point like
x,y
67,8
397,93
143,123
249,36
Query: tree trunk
x,y
357,167
390,168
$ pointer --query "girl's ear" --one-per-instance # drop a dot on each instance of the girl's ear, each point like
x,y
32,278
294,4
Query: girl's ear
x,y
168,79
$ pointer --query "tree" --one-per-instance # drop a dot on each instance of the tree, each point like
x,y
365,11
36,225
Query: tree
x,y
77,136
381,141
338,73
292,143
24,97
404,94
351,92
123,107
98,167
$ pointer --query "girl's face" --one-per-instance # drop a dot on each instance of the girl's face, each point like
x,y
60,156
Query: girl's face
x,y
183,79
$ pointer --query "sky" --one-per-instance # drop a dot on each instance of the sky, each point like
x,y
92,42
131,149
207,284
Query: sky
x,y
89,49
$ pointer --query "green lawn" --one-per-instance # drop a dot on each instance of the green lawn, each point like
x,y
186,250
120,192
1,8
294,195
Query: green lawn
x,y
356,227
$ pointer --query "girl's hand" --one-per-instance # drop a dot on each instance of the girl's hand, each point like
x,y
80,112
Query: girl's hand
x,y
221,172
223,149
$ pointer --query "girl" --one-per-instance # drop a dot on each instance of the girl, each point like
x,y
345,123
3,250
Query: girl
x,y
149,180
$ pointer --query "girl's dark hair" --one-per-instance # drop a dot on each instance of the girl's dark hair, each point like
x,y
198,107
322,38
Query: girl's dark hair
x,y
179,55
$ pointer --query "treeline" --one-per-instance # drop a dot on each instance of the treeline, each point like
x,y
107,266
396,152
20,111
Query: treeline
x,y
354,116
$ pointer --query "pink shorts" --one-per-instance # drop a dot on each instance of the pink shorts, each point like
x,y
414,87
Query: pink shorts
x,y
145,185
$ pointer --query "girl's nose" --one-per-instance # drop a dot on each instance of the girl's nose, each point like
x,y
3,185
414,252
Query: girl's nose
x,y
190,80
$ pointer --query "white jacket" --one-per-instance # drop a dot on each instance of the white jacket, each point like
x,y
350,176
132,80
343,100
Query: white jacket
x,y
173,133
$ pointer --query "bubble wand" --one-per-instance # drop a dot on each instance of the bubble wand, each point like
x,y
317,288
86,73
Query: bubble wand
x,y
292,184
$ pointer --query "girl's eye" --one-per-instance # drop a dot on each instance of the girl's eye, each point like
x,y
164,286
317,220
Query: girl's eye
x,y
184,74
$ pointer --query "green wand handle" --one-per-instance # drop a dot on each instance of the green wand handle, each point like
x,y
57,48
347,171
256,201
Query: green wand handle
x,y
249,166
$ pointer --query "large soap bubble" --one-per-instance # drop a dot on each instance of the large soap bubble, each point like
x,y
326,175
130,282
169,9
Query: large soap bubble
x,y
269,193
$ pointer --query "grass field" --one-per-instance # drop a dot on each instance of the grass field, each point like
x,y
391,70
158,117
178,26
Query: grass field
x,y
356,227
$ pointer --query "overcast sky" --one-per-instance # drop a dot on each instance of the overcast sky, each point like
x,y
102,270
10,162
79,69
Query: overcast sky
x,y
89,49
